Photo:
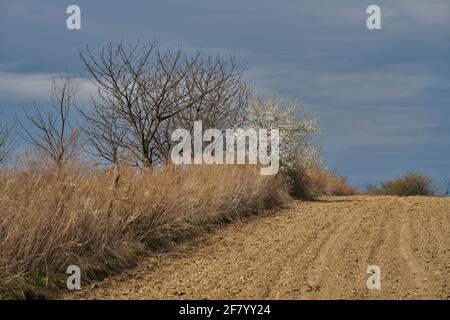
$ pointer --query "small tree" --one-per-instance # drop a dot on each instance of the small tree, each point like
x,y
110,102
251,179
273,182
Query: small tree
x,y
7,143
50,130
297,148
447,182
105,133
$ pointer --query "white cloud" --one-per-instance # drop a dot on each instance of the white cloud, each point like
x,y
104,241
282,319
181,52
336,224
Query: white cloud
x,y
18,86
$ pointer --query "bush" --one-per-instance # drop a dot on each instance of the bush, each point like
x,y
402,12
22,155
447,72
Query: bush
x,y
313,182
411,184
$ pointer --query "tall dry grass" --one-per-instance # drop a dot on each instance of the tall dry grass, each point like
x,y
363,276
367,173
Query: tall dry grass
x,y
314,182
52,219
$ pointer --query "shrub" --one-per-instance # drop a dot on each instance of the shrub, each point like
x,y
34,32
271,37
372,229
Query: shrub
x,y
411,184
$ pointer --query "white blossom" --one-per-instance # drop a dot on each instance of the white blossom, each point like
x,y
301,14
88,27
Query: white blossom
x,y
297,149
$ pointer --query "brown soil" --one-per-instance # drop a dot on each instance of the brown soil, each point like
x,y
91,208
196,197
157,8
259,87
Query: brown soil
x,y
312,250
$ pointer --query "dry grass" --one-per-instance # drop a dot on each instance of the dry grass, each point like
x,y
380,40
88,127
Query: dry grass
x,y
50,220
314,182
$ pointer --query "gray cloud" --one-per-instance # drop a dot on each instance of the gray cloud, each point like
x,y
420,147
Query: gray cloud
x,y
382,96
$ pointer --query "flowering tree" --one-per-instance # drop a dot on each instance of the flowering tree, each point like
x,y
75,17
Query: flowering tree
x,y
297,150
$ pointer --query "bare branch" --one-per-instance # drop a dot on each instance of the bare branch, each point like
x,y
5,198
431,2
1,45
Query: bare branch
x,y
49,130
151,93
447,182
7,143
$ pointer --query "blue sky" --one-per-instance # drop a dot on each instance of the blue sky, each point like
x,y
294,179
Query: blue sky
x,y
383,96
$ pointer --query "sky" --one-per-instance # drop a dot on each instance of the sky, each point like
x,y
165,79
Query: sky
x,y
382,96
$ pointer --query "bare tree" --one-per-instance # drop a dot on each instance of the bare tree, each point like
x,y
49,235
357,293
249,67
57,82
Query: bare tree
x,y
7,143
223,105
154,92
105,133
50,130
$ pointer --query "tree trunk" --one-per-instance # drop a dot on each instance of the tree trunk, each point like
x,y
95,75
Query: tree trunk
x,y
116,177
148,164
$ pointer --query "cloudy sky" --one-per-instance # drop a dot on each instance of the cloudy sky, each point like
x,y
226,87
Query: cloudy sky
x,y
382,96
